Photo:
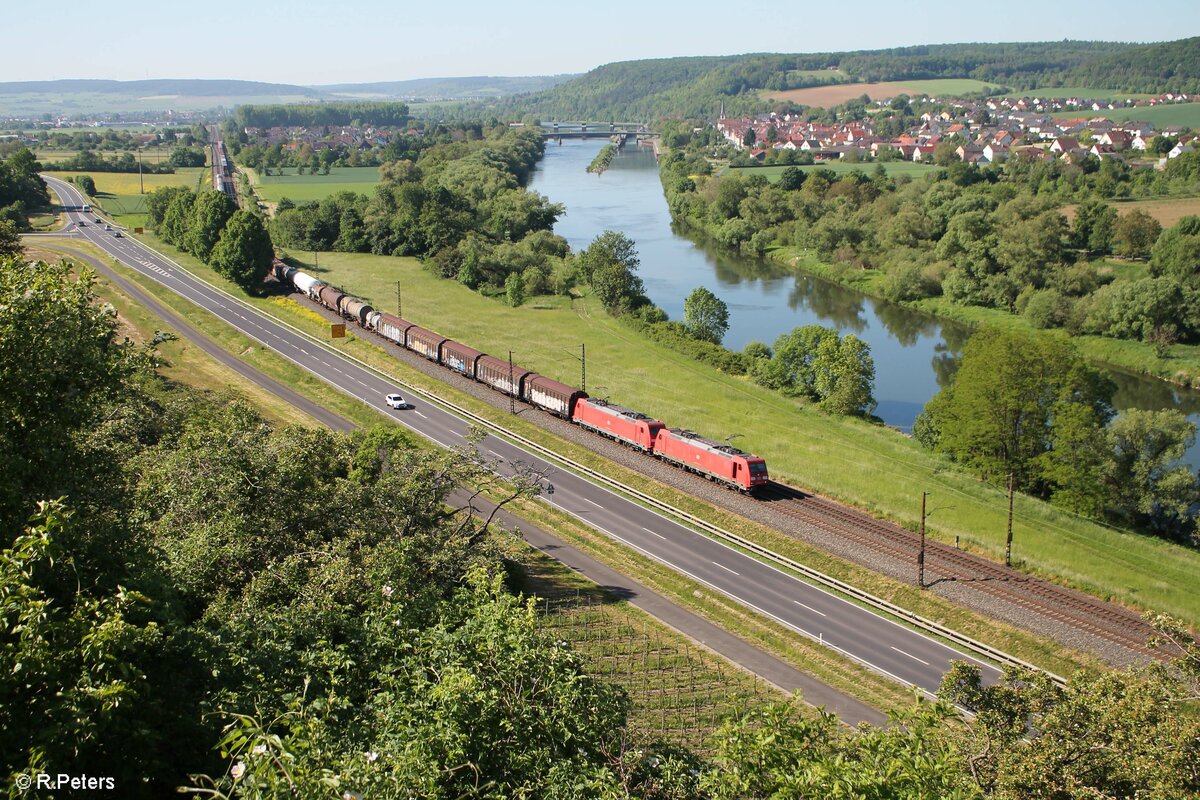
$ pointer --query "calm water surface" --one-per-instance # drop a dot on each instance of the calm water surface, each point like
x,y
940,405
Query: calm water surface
x,y
914,354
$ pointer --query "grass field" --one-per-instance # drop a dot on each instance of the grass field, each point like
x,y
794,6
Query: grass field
x,y
150,155
118,192
893,168
316,187
829,96
871,466
1187,114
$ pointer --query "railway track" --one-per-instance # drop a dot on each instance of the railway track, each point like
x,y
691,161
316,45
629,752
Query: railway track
x,y
944,563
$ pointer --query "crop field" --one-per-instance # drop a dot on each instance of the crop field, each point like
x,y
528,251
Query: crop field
x,y
1187,114
874,467
316,187
893,168
829,96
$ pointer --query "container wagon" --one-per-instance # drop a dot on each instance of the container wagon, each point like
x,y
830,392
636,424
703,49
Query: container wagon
x,y
623,424
557,398
714,460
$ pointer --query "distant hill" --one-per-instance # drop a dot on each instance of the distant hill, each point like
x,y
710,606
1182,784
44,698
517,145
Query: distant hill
x,y
695,87
165,86
446,88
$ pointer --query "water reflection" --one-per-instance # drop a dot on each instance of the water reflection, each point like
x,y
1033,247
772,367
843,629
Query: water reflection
x,y
914,354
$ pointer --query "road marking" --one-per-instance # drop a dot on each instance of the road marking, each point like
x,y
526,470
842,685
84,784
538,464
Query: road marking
x,y
810,608
910,655
419,414
497,455
593,502
459,435
654,533
727,569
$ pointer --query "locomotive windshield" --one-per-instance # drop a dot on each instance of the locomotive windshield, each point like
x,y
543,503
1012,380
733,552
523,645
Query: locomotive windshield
x,y
758,468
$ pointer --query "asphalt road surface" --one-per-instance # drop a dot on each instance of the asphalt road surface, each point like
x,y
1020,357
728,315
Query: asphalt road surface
x,y
874,641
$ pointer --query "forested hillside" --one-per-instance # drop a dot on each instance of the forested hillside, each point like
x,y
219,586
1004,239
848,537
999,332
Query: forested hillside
x,y
698,87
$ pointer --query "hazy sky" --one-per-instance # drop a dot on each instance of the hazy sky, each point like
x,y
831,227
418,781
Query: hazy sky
x,y
307,42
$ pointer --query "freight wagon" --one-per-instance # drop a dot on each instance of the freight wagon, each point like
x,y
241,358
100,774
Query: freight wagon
x,y
392,327
623,424
427,343
500,375
557,398
459,357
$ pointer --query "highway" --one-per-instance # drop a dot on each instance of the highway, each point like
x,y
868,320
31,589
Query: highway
x,y
874,641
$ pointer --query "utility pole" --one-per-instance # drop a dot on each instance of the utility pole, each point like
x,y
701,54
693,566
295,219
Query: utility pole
x,y
1008,545
512,390
921,552
141,185
583,366
399,308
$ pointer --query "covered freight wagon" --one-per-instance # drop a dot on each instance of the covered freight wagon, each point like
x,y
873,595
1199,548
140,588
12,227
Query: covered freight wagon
x,y
500,375
392,327
425,342
557,398
623,424
714,460
459,357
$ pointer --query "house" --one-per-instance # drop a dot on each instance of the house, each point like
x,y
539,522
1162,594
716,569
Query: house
x,y
1119,140
1181,148
994,152
1064,144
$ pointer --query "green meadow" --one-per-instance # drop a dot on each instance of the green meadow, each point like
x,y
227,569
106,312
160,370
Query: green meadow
x,y
121,194
1186,114
299,188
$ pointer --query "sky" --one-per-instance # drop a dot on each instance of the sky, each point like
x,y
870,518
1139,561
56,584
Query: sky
x,y
311,43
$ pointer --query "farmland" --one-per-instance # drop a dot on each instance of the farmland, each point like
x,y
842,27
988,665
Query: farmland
x,y
1167,211
893,168
273,188
1187,114
829,96
1082,92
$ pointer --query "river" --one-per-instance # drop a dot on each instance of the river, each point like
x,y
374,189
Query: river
x,y
914,354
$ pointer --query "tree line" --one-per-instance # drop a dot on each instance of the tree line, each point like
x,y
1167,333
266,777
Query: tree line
x,y
310,115
195,599
212,228
21,190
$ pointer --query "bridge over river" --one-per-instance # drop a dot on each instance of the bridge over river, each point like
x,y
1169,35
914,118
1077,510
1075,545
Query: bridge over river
x,y
620,132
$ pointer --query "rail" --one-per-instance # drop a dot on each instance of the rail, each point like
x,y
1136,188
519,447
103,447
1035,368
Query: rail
x,y
863,597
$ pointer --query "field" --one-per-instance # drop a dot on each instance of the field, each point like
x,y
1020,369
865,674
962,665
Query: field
x,y
150,155
118,192
316,187
872,466
893,168
829,96
1167,211
1187,114
70,103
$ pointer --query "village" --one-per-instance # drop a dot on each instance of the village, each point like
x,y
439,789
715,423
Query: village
x,y
985,132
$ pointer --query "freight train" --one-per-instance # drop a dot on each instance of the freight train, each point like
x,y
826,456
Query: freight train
x,y
716,461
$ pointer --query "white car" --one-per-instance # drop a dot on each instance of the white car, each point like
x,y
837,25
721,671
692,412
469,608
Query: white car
x,y
396,401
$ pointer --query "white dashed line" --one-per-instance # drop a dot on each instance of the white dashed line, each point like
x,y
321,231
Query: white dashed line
x,y
654,533
727,569
810,608
910,655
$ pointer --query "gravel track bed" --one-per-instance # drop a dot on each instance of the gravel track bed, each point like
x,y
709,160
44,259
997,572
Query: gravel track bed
x,y
959,593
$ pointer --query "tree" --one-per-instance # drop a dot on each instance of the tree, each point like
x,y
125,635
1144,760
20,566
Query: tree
x,y
210,211
514,289
1093,228
244,252
1134,234
748,138
997,414
791,179
844,375
792,369
1176,254
610,264
177,218
705,315
1147,484
10,240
